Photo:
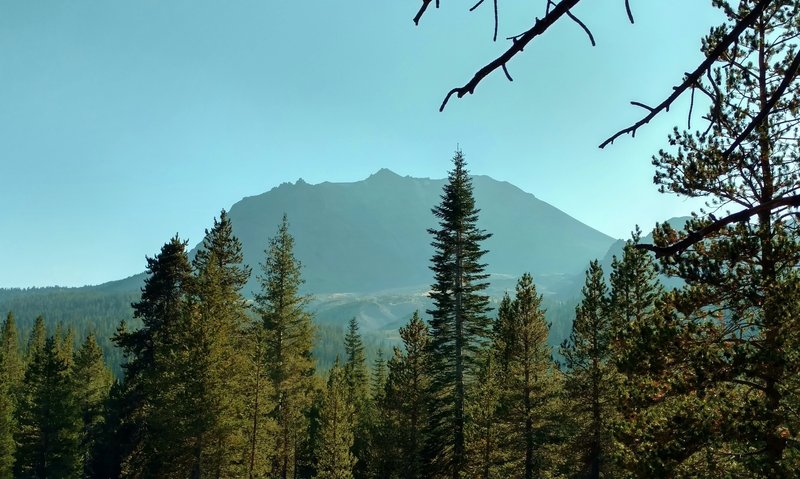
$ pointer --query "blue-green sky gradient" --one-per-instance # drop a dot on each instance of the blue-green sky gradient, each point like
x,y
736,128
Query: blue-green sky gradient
x,y
124,122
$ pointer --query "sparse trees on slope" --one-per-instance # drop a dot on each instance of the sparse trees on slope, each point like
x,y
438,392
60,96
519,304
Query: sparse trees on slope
x,y
288,341
459,325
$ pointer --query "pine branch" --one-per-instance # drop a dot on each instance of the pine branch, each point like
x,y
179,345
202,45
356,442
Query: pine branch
x,y
695,237
694,77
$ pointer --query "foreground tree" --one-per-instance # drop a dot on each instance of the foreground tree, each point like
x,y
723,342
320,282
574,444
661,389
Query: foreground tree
x,y
49,429
91,382
734,321
12,371
528,383
588,376
335,459
288,340
216,357
153,419
406,401
459,325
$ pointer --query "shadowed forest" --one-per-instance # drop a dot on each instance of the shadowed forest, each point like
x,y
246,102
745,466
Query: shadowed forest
x,y
682,359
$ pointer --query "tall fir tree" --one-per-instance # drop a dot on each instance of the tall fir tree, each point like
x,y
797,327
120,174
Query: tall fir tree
x,y
91,382
153,416
289,336
49,429
37,338
406,401
356,374
216,356
737,313
587,354
529,384
12,371
459,324
335,457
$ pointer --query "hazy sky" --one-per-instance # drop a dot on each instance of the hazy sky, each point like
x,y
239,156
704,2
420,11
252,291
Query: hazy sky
x,y
124,122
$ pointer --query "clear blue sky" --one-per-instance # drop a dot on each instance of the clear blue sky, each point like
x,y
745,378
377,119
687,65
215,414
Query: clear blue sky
x,y
124,122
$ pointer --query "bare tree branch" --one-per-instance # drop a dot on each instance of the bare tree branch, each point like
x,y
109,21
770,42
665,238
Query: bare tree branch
x,y
576,20
695,237
517,46
628,10
693,77
422,9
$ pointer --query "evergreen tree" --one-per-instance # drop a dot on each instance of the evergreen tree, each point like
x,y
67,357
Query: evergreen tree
x,y
528,384
335,458
37,338
91,382
736,316
482,432
459,325
11,373
153,413
586,353
48,435
13,363
216,357
356,376
406,401
289,336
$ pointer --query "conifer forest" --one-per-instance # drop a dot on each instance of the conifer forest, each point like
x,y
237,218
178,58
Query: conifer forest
x,y
682,358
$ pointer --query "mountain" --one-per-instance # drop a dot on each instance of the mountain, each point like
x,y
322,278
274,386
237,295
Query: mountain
x,y
371,235
365,250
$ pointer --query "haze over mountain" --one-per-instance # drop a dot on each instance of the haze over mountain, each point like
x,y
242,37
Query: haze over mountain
x,y
365,250
371,235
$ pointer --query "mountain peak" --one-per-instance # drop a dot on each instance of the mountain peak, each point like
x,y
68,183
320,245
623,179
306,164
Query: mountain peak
x,y
383,173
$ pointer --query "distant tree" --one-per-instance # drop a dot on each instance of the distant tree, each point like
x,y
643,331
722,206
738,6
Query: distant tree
x,y
586,355
459,325
356,374
406,401
288,342
91,382
335,458
49,423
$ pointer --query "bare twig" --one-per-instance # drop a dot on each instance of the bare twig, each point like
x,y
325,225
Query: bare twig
x,y
628,10
791,72
694,76
421,11
508,75
701,234
578,21
476,5
517,46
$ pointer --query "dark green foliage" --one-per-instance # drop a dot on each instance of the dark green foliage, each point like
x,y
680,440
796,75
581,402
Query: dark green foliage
x,y
406,401
459,325
528,386
91,383
153,417
731,326
356,375
288,341
336,434
589,375
49,424
12,371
